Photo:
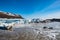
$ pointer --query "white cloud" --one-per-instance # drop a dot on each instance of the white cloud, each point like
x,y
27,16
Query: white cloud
x,y
44,14
52,15
54,5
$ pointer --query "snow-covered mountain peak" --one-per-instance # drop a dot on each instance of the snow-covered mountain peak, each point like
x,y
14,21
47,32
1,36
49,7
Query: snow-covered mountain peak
x,y
9,15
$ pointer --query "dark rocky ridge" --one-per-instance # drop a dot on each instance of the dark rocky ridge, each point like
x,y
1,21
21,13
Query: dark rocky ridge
x,y
3,15
50,20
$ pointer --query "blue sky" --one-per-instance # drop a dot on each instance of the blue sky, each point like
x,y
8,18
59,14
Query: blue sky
x,y
32,8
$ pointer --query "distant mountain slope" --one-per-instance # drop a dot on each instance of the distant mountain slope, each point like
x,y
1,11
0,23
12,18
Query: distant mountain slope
x,y
51,20
9,15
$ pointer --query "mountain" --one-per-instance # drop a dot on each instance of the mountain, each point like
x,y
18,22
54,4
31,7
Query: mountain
x,y
51,20
9,15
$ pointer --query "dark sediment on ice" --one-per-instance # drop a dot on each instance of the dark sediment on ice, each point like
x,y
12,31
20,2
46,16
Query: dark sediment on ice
x,y
22,34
